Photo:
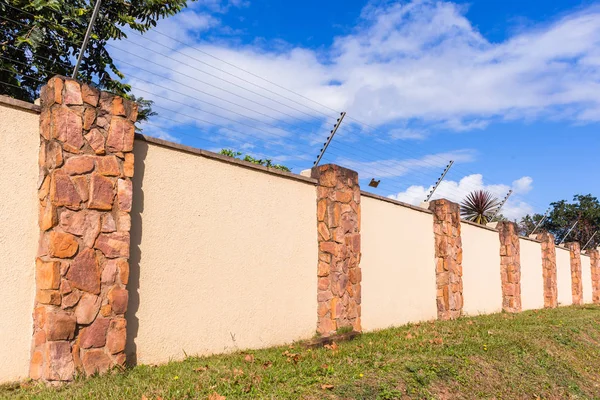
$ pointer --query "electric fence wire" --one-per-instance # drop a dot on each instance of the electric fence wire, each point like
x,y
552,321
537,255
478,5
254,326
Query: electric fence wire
x,y
255,75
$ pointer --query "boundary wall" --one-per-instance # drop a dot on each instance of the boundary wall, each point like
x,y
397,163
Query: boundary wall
x,y
121,248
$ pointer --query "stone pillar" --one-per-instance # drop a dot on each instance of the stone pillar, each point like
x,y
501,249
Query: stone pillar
x,y
448,254
549,269
510,266
595,267
338,226
85,194
576,282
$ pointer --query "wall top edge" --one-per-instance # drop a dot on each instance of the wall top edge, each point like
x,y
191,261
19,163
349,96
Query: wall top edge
x,y
396,202
222,158
530,239
9,101
488,228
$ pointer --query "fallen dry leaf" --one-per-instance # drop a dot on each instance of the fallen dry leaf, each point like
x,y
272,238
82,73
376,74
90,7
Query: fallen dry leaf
x,y
249,358
144,397
409,336
267,364
326,386
201,369
238,372
216,396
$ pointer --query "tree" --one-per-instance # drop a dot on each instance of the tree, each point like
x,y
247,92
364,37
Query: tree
x,y
44,39
479,206
585,210
259,161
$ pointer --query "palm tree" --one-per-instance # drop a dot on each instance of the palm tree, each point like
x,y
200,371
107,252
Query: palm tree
x,y
478,207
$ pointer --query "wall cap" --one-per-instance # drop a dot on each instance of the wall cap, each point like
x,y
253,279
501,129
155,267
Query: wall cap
x,y
396,202
222,158
19,104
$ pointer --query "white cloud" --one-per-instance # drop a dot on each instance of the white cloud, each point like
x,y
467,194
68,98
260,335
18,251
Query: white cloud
x,y
457,191
421,60
399,167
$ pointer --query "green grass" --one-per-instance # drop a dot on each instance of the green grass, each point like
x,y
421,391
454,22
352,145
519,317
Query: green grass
x,y
548,354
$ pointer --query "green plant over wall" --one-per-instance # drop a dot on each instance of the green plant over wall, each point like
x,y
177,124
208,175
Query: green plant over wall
x,y
259,161
478,207
42,38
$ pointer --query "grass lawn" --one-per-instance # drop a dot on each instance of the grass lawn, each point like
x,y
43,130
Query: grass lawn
x,y
547,354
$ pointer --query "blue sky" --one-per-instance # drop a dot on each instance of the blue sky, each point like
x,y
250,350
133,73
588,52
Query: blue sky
x,y
510,90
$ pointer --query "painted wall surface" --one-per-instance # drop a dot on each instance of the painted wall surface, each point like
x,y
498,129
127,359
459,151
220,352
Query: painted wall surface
x,y
223,257
563,276
586,278
482,286
532,279
19,144
397,263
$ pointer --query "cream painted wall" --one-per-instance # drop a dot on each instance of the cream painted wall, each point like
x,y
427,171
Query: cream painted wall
x,y
223,257
586,278
532,278
397,263
563,276
19,144
482,286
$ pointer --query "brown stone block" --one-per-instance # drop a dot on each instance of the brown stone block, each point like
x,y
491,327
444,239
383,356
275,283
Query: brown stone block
x,y
118,299
321,209
323,269
355,275
84,273
47,216
89,116
120,135
67,128
78,165
62,245
106,310
343,196
323,284
47,274
128,165
124,224
51,155
323,309
81,186
90,95
108,166
96,140
123,269
334,214
44,189
323,231
109,273
59,362
329,247
60,325
36,365
113,245
71,299
117,335
95,334
125,194
72,93
324,296
117,107
45,121
96,361
101,192
108,223
48,297
63,192
87,309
